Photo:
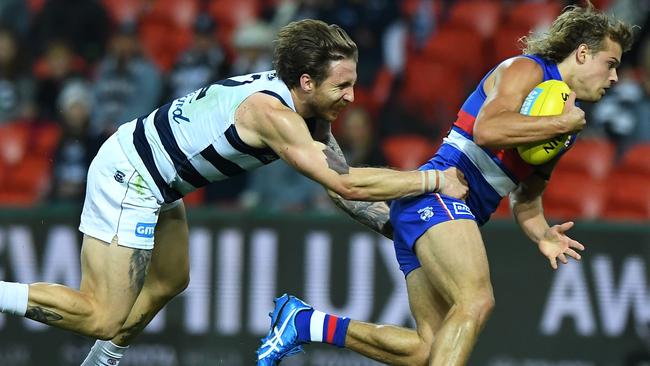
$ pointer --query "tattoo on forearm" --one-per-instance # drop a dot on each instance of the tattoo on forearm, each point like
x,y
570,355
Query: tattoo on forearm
x,y
336,162
42,315
139,265
374,215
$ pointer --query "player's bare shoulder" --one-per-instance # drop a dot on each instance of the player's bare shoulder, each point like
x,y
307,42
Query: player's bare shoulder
x,y
514,73
260,116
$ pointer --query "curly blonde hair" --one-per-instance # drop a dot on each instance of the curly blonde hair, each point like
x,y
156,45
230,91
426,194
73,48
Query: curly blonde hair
x,y
575,26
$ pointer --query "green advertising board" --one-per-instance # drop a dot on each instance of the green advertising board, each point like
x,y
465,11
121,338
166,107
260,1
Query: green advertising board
x,y
595,312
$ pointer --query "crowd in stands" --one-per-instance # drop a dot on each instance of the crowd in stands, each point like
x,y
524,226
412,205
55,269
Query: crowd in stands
x,y
71,71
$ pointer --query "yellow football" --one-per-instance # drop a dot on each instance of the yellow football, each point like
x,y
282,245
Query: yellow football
x,y
546,99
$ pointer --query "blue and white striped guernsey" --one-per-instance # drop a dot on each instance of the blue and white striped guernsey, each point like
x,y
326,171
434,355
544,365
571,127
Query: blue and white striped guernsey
x,y
192,141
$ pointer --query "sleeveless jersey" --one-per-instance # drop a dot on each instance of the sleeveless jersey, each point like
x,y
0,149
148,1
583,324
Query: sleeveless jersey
x,y
491,173
192,141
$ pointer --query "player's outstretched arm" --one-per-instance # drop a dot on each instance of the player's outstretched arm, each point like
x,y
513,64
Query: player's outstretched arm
x,y
286,133
374,215
526,205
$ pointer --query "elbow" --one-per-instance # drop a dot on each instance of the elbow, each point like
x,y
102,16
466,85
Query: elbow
x,y
483,138
350,192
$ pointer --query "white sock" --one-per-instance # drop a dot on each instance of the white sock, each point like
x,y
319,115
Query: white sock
x,y
104,353
316,325
13,298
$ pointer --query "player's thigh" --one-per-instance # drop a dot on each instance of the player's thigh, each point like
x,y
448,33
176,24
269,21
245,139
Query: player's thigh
x,y
453,257
170,262
112,275
427,305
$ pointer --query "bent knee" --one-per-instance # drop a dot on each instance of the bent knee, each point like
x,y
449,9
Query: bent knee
x,y
479,305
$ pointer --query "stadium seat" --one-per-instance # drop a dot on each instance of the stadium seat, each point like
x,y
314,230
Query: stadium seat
x,y
162,38
593,158
408,152
195,198
533,14
503,210
636,161
14,139
570,196
122,11
628,197
440,46
505,43
481,16
432,90
45,139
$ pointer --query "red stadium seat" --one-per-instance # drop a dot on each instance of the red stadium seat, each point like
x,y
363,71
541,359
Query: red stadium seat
x,y
408,152
14,139
45,138
593,158
533,14
195,198
122,11
162,38
432,90
505,43
443,47
636,161
503,210
481,16
570,196
628,197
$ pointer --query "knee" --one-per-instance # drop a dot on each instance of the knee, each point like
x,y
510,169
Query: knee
x,y
171,287
479,306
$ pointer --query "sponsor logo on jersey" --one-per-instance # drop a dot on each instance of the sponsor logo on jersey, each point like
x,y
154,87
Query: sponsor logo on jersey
x,y
177,113
462,209
145,230
426,213
119,176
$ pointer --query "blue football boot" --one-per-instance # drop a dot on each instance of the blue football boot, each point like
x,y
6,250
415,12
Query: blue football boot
x,y
282,339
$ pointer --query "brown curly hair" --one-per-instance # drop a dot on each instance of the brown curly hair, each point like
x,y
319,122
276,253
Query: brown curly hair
x,y
307,47
575,26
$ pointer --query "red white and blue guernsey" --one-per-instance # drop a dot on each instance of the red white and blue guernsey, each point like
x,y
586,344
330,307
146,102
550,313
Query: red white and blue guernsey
x,y
491,175
192,141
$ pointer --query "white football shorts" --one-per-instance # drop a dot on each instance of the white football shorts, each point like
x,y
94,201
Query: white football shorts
x,y
119,204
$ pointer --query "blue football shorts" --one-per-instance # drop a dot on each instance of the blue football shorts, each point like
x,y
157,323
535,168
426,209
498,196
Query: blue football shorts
x,y
412,217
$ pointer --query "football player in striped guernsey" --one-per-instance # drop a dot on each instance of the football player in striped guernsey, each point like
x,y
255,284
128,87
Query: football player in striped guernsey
x,y
135,247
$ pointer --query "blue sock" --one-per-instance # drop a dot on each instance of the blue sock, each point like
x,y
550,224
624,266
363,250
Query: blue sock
x,y
303,319
316,326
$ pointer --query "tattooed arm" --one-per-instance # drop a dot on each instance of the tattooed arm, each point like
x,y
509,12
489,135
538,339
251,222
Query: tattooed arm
x,y
374,215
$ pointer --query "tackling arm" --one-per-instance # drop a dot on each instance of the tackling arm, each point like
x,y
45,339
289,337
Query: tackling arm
x,y
374,215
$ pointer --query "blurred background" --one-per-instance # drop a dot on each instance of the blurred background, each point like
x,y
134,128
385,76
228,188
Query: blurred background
x,y
71,71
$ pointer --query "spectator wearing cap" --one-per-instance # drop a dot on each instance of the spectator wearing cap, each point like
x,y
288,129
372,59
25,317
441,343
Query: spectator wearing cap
x,y
253,46
201,64
128,85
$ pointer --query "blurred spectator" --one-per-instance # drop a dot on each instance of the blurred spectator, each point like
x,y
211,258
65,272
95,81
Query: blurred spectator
x,y
76,147
16,87
278,187
366,22
253,46
202,64
128,85
82,23
57,66
623,115
14,14
358,139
